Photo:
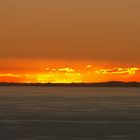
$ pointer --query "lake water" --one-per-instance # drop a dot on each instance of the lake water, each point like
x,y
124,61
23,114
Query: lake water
x,y
61,113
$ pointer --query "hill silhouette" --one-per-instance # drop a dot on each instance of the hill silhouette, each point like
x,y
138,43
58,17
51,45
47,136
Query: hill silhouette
x,y
100,84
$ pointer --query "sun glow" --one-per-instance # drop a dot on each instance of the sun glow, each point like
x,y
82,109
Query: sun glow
x,y
73,75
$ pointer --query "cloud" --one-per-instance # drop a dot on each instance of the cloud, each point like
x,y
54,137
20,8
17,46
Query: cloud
x,y
130,71
10,75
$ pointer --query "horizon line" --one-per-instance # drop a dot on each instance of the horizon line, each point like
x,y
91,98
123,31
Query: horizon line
x,y
93,84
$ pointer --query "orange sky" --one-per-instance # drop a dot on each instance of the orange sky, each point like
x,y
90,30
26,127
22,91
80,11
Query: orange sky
x,y
35,35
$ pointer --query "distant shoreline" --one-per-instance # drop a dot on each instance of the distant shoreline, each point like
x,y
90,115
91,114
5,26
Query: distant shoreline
x,y
100,84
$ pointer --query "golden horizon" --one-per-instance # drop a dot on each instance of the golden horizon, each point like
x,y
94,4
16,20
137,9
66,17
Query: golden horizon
x,y
87,74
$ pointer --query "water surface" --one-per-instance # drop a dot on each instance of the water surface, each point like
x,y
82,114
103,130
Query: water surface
x,y
61,113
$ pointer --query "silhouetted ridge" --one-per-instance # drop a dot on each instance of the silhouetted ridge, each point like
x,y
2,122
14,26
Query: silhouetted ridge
x,y
101,84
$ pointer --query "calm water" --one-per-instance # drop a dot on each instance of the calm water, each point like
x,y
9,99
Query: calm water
x,y
42,113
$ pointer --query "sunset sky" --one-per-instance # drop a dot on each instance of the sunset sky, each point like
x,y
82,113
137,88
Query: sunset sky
x,y
64,41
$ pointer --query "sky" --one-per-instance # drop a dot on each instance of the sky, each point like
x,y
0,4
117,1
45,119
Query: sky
x,y
86,38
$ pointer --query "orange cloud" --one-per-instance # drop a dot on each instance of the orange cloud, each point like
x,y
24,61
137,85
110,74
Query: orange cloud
x,y
66,69
71,75
9,75
130,71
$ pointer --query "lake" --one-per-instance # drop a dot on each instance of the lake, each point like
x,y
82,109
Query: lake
x,y
69,113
